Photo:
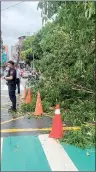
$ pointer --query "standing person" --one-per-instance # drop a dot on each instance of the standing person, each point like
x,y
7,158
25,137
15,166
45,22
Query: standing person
x,y
11,82
18,77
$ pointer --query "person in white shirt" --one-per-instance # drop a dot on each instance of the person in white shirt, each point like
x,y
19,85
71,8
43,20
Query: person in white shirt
x,y
18,77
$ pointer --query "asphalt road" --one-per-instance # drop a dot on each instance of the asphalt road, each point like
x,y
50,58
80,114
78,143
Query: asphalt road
x,y
21,124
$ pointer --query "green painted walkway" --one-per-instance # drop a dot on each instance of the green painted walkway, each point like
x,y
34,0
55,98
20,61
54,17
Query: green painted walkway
x,y
23,154
27,153
80,158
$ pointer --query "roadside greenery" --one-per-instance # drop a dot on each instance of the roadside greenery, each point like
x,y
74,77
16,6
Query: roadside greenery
x,y
84,138
64,51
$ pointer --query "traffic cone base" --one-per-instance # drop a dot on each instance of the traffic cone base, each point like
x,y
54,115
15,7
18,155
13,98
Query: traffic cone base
x,y
57,128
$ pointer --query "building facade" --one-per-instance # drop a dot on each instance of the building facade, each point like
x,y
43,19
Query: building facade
x,y
20,43
1,43
6,50
16,49
14,52
4,53
21,39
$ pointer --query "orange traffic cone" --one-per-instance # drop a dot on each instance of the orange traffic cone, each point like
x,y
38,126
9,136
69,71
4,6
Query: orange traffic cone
x,y
57,126
38,109
24,93
29,97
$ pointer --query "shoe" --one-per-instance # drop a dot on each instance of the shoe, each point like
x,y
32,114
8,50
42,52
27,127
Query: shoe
x,y
11,109
14,110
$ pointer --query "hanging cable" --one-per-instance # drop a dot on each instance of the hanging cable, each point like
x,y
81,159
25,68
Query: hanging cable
x,y
12,6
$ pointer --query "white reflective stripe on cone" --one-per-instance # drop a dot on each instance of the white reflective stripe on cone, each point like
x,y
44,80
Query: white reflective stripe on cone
x,y
57,111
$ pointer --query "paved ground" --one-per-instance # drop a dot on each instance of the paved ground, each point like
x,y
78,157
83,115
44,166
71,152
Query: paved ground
x,y
20,122
40,153
24,147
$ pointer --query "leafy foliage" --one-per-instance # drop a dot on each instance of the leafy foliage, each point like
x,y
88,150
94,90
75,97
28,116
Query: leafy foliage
x,y
48,9
65,54
27,43
84,138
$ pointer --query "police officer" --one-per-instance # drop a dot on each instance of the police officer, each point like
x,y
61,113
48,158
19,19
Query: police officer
x,y
11,82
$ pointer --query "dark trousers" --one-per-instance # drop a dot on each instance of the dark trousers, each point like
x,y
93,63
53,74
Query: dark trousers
x,y
18,85
12,97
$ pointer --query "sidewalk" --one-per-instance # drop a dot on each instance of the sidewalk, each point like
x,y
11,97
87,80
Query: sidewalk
x,y
14,123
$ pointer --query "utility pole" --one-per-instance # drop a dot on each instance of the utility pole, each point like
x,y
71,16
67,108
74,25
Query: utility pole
x,y
18,49
33,58
33,63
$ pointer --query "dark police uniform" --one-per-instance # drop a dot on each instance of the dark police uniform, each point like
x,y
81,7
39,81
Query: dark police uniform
x,y
12,87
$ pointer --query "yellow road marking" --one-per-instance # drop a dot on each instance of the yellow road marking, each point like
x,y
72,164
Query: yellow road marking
x,y
4,108
5,101
3,105
35,129
4,95
13,119
18,118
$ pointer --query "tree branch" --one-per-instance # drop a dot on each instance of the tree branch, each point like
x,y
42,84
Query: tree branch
x,y
81,87
78,89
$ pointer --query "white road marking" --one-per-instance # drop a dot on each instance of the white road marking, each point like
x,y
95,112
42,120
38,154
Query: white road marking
x,y
1,145
56,155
